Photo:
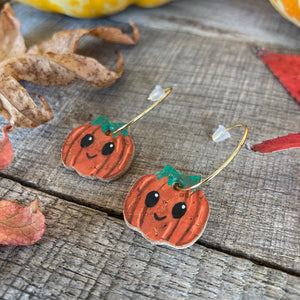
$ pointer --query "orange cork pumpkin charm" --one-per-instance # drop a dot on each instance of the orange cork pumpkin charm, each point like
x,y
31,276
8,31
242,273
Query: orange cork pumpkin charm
x,y
163,214
93,150
169,208
104,149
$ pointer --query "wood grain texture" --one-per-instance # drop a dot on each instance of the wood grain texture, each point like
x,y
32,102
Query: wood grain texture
x,y
254,202
252,21
202,50
86,255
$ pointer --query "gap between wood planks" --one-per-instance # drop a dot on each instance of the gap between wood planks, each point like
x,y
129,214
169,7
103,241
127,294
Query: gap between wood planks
x,y
271,46
111,213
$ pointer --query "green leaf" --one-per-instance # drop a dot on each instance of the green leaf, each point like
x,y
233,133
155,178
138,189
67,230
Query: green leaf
x,y
174,176
107,125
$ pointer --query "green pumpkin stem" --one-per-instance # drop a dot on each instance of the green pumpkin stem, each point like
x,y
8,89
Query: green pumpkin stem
x,y
107,125
174,177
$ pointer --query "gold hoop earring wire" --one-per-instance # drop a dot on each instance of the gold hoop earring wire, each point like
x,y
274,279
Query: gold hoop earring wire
x,y
167,92
230,158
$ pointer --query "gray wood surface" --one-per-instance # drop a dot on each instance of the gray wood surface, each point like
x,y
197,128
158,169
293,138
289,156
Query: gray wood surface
x,y
254,202
86,254
251,20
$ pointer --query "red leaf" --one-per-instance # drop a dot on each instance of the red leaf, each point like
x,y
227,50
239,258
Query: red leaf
x,y
6,152
20,225
291,140
286,67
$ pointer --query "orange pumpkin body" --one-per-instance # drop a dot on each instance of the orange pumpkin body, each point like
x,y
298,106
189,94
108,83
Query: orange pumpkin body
x,y
290,9
165,215
93,153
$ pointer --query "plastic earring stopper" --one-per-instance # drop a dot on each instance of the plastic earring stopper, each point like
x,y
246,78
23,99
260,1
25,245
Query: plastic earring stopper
x,y
220,134
157,93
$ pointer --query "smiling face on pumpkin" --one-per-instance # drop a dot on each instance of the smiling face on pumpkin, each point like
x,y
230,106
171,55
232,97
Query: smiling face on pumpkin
x,y
93,153
164,215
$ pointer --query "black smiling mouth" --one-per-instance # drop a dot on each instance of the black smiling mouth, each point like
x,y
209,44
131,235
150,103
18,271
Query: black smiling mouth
x,y
158,218
90,157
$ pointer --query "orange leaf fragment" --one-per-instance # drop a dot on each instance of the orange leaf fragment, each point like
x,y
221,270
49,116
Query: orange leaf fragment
x,y
289,141
285,67
6,151
20,225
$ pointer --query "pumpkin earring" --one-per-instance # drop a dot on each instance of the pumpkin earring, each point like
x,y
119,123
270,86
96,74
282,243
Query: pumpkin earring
x,y
103,149
170,208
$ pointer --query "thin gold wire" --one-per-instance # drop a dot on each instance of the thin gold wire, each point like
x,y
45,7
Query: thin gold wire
x,y
230,158
167,92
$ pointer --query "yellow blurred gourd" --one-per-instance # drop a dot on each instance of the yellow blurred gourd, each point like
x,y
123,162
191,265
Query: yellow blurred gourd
x,y
290,9
89,8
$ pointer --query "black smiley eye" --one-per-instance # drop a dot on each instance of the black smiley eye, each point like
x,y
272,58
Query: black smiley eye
x,y
108,148
179,209
151,199
87,140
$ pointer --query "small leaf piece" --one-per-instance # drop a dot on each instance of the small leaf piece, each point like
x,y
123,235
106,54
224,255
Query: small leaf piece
x,y
6,151
12,42
20,225
106,124
286,67
291,140
174,176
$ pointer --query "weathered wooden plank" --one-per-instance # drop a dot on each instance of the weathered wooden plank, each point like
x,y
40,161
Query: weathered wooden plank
x,y
252,20
86,255
254,203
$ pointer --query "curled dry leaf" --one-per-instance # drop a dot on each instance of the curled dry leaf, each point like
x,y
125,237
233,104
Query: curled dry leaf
x,y
20,225
53,62
6,151
19,108
66,41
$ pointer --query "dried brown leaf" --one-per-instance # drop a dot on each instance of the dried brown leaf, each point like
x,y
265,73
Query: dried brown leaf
x,y
52,62
59,69
12,42
61,42
17,106
66,41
